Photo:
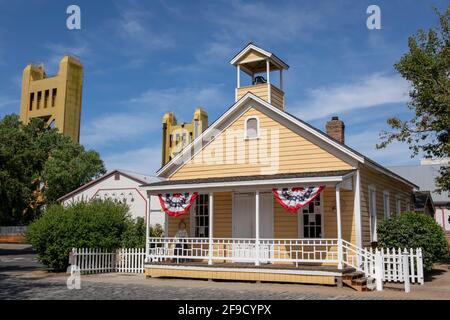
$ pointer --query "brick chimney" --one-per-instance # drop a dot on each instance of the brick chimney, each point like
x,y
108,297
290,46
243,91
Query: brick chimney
x,y
336,129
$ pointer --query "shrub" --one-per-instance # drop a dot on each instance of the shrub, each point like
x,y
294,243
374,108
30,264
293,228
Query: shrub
x,y
157,231
97,224
134,235
414,230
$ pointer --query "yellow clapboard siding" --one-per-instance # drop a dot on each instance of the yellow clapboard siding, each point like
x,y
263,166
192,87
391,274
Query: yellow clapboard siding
x,y
381,182
295,154
285,223
239,275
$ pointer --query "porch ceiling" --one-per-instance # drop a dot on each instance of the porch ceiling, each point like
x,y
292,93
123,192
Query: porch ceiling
x,y
329,178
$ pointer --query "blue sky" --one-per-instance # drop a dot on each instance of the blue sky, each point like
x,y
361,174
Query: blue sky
x,y
144,58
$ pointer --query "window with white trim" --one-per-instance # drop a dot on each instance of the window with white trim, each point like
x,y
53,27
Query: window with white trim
x,y
373,212
398,205
251,128
311,219
386,204
200,217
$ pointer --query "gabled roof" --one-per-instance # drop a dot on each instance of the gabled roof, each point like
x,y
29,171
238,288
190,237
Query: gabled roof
x,y
182,157
422,199
424,176
138,177
252,47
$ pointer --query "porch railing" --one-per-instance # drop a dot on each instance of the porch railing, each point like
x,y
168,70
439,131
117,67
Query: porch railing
x,y
244,250
381,265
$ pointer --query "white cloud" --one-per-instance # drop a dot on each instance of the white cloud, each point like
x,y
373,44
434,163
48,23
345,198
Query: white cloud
x,y
137,27
144,113
372,91
174,99
212,55
4,102
144,160
258,21
119,127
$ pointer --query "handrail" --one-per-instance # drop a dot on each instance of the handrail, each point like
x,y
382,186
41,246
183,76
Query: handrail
x,y
243,250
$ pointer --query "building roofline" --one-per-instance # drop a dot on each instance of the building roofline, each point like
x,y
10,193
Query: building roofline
x,y
99,179
300,123
270,55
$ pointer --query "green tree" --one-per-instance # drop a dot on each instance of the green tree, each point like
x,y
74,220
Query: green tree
x,y
427,68
37,166
95,224
414,230
134,235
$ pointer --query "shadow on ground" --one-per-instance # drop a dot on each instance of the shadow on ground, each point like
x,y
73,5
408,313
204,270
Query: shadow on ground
x,y
15,287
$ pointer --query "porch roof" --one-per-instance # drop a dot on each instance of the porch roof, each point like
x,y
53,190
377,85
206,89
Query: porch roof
x,y
283,179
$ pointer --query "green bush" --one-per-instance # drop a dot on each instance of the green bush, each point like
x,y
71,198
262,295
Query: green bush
x,y
134,235
157,231
414,230
97,224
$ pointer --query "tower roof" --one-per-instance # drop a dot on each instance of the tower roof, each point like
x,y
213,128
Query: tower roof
x,y
252,59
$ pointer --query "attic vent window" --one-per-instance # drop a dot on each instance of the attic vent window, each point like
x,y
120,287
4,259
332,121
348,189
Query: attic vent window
x,y
252,128
117,176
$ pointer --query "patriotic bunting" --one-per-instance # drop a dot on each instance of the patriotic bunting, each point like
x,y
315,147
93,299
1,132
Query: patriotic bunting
x,y
293,199
178,203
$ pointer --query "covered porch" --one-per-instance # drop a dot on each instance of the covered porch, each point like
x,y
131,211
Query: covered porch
x,y
237,229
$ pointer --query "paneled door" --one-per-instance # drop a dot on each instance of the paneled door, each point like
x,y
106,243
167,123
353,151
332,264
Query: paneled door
x,y
244,224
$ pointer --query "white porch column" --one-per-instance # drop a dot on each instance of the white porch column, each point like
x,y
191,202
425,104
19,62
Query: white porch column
x,y
238,76
339,227
147,228
269,88
238,82
357,208
211,212
257,228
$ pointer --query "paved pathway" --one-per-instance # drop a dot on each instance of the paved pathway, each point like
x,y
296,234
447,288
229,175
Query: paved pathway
x,y
22,277
16,286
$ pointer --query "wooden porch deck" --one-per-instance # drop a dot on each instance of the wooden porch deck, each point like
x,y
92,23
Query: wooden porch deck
x,y
289,273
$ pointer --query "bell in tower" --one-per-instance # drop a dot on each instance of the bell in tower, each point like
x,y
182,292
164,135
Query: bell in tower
x,y
257,63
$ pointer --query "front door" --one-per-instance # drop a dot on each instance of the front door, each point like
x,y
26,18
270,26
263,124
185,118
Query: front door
x,y
244,223
244,215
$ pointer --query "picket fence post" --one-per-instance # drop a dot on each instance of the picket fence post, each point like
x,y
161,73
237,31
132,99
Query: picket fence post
x,y
420,278
406,271
378,270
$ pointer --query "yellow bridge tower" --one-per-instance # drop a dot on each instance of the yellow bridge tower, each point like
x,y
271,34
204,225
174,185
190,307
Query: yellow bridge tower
x,y
176,136
55,99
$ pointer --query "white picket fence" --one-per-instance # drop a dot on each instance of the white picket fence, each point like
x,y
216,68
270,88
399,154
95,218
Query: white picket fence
x,y
12,230
93,260
130,260
394,267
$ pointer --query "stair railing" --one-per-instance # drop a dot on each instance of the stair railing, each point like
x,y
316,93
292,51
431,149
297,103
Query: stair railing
x,y
364,261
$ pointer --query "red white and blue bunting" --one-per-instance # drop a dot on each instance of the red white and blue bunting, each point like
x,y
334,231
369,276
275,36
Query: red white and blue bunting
x,y
292,199
178,203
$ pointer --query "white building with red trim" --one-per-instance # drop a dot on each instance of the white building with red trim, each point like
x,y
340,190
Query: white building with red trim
x,y
122,186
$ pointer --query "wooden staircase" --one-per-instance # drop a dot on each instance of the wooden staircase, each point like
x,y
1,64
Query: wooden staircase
x,y
356,280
